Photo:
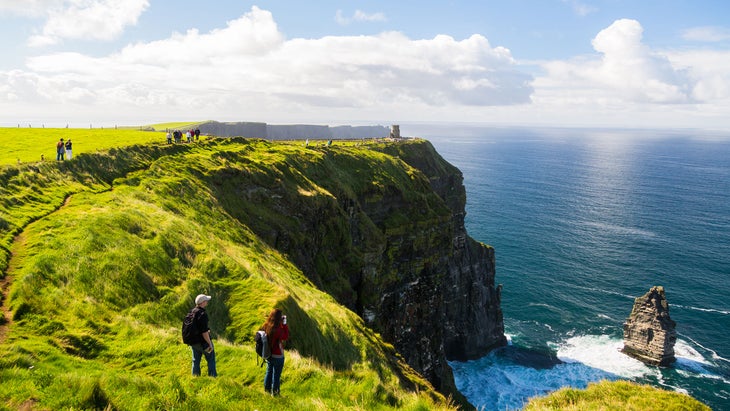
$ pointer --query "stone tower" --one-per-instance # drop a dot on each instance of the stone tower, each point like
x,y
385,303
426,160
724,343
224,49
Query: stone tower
x,y
649,333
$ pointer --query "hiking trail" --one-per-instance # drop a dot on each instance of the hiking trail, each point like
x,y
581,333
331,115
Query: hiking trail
x,y
17,251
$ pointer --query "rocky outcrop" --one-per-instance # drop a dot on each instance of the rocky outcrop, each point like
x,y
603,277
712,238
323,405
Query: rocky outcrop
x,y
649,333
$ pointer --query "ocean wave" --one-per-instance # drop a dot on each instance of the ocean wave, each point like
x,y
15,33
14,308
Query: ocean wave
x,y
707,310
604,353
713,353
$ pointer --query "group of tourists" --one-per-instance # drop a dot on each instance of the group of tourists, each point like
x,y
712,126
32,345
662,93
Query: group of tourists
x,y
201,344
63,150
177,136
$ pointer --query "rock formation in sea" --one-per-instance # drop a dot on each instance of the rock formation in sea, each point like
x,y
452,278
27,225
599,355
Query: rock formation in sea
x,y
649,333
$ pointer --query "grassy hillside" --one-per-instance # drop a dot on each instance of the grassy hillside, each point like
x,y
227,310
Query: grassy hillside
x,y
615,396
112,250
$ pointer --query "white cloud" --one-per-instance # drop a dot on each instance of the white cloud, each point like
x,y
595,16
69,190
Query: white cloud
x,y
707,34
581,8
362,16
710,73
359,15
29,7
627,71
249,67
86,19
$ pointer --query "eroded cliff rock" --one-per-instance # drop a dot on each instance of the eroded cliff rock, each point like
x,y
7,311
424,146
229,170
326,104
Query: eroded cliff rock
x,y
649,333
381,229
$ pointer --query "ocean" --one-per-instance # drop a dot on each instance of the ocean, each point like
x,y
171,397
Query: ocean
x,y
584,221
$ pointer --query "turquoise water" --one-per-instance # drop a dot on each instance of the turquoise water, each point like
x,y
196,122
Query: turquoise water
x,y
583,222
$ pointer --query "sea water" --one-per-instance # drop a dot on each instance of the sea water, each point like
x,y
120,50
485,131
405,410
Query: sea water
x,y
583,222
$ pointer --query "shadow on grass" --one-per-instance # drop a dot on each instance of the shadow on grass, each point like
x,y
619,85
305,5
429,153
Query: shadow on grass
x,y
326,342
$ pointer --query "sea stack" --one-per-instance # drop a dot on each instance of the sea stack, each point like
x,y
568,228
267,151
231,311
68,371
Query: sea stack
x,y
649,333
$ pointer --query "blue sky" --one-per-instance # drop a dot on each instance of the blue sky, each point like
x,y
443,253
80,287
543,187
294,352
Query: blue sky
x,y
539,62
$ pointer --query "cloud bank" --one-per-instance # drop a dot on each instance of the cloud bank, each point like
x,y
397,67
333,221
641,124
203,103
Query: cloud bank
x,y
248,69
249,65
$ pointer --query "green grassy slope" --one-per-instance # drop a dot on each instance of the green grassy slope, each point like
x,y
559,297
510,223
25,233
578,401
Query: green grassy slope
x,y
113,249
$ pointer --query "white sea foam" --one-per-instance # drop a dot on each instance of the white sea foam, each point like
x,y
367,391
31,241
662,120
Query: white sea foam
x,y
713,353
604,353
504,379
494,383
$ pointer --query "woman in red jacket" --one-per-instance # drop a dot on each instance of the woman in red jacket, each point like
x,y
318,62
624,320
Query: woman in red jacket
x,y
277,331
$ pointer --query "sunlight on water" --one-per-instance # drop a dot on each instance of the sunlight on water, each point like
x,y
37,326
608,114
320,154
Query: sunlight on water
x,y
583,222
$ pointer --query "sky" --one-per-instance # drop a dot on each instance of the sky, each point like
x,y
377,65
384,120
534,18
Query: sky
x,y
572,63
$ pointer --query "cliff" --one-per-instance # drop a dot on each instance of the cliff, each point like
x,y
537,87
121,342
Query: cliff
x,y
290,131
109,248
649,332
389,242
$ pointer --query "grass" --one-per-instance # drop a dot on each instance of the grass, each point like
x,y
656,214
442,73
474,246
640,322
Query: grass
x,y
27,145
618,396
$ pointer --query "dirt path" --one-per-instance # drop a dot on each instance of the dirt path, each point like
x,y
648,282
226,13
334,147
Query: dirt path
x,y
16,256
6,282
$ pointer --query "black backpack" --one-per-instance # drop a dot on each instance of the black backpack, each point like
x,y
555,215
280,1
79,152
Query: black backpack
x,y
262,346
190,334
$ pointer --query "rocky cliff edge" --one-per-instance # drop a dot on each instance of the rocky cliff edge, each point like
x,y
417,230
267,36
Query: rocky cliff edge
x,y
386,239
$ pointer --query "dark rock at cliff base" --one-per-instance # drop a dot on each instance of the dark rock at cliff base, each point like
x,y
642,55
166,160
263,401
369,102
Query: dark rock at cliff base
x,y
649,333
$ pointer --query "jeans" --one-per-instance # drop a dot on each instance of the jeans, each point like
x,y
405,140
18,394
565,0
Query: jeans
x,y
272,380
198,353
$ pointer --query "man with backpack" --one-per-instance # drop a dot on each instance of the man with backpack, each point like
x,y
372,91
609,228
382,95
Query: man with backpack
x,y
196,334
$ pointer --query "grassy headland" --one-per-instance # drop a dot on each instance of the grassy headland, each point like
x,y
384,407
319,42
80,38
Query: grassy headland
x,y
114,247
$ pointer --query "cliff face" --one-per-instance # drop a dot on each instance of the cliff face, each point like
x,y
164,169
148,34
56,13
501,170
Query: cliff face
x,y
290,131
384,234
649,333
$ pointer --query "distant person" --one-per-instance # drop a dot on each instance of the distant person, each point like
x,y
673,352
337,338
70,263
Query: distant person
x,y
188,136
169,137
68,149
60,150
277,332
201,344
197,134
